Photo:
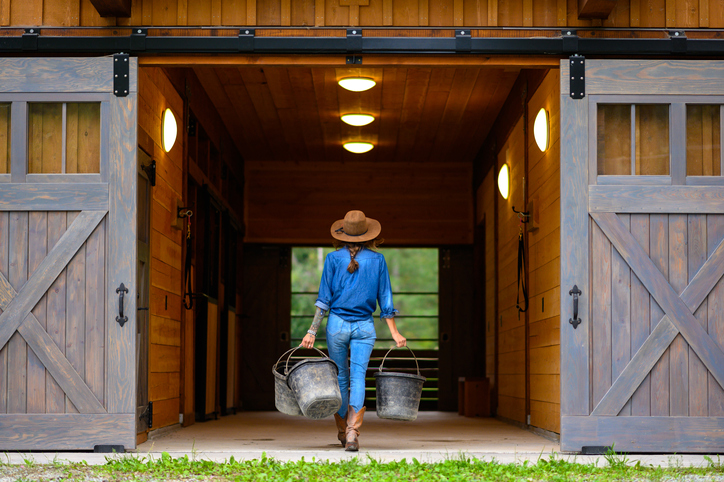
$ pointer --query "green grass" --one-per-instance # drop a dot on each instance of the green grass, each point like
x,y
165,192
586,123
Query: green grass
x,y
612,467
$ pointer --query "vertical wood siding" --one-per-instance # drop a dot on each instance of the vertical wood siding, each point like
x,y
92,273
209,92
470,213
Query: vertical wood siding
x,y
408,13
543,184
156,93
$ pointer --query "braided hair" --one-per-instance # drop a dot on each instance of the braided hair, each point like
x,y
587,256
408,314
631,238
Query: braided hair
x,y
355,248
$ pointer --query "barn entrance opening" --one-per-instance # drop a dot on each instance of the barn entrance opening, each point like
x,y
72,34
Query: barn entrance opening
x,y
264,171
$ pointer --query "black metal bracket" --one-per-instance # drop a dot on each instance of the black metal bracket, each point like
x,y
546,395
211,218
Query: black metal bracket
x,y
522,215
147,415
463,41
109,449
569,41
30,39
121,71
121,290
678,41
246,39
354,40
150,171
596,449
353,60
578,76
138,39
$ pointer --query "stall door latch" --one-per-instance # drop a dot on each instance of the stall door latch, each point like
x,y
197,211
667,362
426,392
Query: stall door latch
x,y
578,76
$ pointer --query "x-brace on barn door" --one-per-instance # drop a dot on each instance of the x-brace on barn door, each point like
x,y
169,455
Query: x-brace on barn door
x,y
67,254
642,230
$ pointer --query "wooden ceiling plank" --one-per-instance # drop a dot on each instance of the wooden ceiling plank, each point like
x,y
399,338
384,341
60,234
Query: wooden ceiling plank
x,y
462,88
325,90
595,8
308,111
215,90
256,85
393,93
418,81
280,88
437,98
370,60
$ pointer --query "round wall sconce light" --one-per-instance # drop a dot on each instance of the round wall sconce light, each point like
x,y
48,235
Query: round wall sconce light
x,y
170,129
357,120
541,130
357,84
358,147
504,181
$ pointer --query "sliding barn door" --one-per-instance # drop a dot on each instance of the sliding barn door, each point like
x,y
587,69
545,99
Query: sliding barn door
x,y
642,230
67,244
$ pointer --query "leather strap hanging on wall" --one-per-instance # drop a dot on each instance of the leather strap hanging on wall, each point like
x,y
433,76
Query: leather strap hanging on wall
x,y
188,292
523,218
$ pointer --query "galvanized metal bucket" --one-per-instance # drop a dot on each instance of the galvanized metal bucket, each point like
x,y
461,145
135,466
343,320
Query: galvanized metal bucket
x,y
313,382
398,394
284,399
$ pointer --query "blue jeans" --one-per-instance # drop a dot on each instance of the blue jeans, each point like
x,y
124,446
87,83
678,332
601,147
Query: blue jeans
x,y
353,339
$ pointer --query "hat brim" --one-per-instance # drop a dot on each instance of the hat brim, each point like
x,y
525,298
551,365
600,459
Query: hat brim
x,y
374,228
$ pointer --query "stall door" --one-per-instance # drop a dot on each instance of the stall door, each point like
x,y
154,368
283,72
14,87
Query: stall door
x,y
67,254
642,224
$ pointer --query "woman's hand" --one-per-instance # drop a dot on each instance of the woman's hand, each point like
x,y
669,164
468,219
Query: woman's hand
x,y
308,341
399,339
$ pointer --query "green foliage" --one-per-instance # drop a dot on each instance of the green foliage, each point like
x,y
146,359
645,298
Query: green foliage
x,y
461,468
412,270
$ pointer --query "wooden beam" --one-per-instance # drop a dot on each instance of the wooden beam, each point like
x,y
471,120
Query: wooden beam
x,y
113,8
595,8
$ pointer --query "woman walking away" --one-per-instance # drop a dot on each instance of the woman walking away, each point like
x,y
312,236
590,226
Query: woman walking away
x,y
354,280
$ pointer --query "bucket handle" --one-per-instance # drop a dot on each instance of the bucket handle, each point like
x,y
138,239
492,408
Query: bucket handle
x,y
413,355
292,350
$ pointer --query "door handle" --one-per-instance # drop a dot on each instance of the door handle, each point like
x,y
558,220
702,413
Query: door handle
x,y
575,321
121,290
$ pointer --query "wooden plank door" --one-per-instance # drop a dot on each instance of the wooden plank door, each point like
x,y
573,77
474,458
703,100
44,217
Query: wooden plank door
x,y
67,243
642,230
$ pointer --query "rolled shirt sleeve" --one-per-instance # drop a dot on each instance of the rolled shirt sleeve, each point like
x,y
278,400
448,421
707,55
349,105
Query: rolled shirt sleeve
x,y
384,293
324,299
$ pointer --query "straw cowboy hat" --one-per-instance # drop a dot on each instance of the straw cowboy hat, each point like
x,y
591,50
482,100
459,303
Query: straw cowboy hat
x,y
356,228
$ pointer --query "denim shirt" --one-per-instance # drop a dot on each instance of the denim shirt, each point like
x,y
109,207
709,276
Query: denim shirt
x,y
354,296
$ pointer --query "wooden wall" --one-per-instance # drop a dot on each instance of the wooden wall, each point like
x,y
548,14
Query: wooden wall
x,y
543,186
523,362
156,93
511,326
407,13
418,204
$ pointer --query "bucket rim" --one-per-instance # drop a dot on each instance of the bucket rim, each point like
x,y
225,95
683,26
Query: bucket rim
x,y
400,375
307,361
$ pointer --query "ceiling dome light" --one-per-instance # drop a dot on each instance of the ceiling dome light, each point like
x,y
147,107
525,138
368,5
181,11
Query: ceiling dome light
x,y
504,181
357,84
541,130
358,147
357,119
170,129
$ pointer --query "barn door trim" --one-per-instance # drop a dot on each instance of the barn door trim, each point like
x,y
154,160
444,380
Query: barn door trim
x,y
17,315
678,317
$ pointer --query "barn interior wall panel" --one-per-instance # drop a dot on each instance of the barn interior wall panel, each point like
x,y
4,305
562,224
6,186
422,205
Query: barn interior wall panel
x,y
156,93
418,204
407,13
543,187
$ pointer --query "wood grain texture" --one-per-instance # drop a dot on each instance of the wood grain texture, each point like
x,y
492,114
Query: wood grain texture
x,y
715,318
17,348
641,317
54,197
78,75
696,257
600,314
5,297
55,395
659,254
664,294
574,254
37,250
66,431
644,434
645,199
121,232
